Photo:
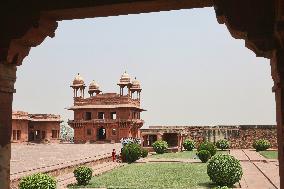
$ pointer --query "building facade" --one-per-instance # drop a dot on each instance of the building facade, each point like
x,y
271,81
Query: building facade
x,y
35,127
240,136
106,117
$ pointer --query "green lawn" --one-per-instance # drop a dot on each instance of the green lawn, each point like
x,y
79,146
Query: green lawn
x,y
184,154
269,154
154,176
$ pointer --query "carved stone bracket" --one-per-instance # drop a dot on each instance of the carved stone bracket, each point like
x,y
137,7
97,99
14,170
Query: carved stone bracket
x,y
19,48
256,29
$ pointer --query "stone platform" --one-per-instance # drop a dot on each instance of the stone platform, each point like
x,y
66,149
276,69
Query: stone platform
x,y
27,159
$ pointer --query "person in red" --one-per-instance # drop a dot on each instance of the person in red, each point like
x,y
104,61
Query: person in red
x,y
113,155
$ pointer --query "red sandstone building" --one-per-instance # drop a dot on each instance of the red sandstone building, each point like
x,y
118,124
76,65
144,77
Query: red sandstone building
x,y
106,116
35,127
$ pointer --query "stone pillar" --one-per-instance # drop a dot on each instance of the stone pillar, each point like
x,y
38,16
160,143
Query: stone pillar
x,y
7,80
277,72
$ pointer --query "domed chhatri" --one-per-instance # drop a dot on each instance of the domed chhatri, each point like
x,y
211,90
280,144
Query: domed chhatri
x,y
125,78
94,85
135,84
78,85
94,88
135,88
78,80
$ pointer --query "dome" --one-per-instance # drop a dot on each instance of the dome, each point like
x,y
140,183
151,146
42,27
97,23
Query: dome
x,y
135,83
125,78
78,80
94,85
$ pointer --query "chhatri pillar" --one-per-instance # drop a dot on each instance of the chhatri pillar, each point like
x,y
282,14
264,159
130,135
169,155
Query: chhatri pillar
x,y
277,72
7,80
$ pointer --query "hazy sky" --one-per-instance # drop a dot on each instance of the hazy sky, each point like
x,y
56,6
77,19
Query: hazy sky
x,y
191,70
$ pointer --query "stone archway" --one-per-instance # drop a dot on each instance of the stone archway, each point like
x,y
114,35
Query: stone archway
x,y
26,24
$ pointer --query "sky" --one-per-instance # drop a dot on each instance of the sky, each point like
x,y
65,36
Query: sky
x,y
191,70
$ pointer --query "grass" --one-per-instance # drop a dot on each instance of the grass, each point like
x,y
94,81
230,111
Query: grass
x,y
269,154
154,176
182,155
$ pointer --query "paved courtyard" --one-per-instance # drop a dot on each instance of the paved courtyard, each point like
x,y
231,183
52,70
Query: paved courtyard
x,y
259,172
27,157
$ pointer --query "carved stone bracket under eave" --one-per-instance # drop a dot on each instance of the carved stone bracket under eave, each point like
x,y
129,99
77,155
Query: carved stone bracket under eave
x,y
251,28
19,48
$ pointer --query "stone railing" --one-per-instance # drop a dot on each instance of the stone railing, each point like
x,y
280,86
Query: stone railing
x,y
103,99
137,121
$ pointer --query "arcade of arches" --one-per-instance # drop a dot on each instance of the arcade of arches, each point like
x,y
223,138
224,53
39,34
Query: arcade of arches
x,y
259,23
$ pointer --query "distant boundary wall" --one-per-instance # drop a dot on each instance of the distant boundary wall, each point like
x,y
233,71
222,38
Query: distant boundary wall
x,y
240,136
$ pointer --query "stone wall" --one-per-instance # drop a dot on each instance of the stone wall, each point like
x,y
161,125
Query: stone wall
x,y
19,125
240,136
248,135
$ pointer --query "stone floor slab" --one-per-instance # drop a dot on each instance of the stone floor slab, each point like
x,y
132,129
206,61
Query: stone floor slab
x,y
253,155
239,154
271,171
253,178
28,157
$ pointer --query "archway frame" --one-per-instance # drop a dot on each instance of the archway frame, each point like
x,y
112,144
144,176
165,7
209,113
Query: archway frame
x,y
26,24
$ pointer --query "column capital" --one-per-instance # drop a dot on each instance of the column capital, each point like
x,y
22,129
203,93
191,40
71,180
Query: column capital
x,y
7,78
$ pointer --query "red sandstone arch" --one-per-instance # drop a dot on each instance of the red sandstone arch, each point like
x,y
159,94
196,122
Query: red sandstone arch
x,y
25,24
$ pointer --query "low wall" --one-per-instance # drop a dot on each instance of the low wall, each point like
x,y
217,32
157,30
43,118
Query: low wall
x,y
240,136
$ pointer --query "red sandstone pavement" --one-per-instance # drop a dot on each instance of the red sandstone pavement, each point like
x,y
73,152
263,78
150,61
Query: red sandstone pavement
x,y
258,172
27,159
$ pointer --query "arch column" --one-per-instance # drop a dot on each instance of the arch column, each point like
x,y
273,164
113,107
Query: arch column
x,y
277,73
7,80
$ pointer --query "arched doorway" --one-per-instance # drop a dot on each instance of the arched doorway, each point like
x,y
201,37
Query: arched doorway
x,y
101,133
260,34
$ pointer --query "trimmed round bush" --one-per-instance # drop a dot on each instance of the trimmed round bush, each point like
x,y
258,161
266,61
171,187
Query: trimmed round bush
x,y
160,146
224,170
261,145
144,152
203,155
38,181
131,152
223,144
83,175
208,146
189,145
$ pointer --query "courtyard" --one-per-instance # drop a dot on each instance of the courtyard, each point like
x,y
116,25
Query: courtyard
x,y
184,170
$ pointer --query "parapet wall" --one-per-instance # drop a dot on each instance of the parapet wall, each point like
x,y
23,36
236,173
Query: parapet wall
x,y
240,136
246,137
